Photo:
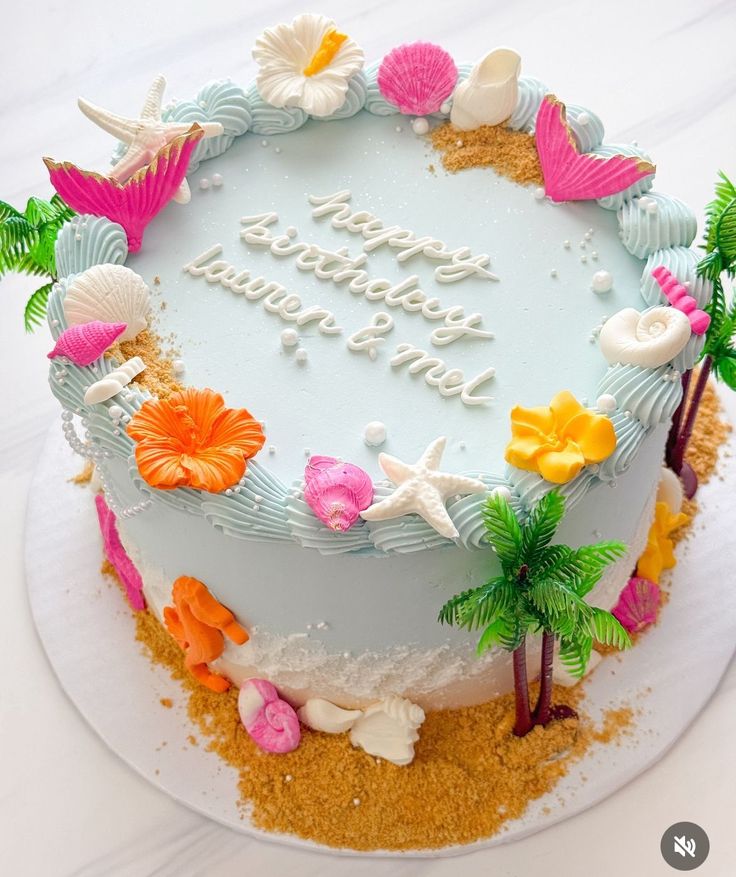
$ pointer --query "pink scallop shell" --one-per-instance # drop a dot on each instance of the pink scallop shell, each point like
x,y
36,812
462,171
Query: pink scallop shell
x,y
573,176
132,204
337,492
417,78
85,343
638,604
274,726
117,555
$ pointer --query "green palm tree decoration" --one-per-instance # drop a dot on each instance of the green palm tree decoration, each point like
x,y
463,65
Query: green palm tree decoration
x,y
541,589
27,246
719,353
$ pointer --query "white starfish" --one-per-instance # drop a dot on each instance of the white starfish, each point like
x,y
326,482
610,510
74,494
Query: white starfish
x,y
422,489
144,136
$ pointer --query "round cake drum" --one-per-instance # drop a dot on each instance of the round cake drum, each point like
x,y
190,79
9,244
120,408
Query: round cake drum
x,y
88,634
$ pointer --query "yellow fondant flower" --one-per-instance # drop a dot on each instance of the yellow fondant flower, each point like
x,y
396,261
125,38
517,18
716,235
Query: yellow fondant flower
x,y
306,64
557,441
659,553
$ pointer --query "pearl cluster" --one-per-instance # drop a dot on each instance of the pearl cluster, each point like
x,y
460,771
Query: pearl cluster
x,y
238,487
216,181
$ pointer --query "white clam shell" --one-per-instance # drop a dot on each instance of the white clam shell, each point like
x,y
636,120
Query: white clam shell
x,y
670,490
647,339
111,294
321,715
389,729
488,96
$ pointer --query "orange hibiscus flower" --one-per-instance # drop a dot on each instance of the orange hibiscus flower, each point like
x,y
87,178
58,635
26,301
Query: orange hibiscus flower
x,y
192,440
558,440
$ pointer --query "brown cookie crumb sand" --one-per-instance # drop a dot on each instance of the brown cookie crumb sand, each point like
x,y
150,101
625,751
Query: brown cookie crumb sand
x,y
512,154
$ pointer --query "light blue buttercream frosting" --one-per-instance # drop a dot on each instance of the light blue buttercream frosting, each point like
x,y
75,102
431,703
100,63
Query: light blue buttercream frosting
x,y
655,222
354,100
269,120
531,94
223,102
640,187
648,394
586,127
88,240
682,262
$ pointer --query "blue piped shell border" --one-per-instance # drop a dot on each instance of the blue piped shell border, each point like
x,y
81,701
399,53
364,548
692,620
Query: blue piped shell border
x,y
263,508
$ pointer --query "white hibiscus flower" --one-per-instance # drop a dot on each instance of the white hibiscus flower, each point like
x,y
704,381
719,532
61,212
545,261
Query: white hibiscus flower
x,y
306,64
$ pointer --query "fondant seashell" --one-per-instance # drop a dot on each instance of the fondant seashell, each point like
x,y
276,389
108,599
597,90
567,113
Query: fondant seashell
x,y
683,263
417,77
321,715
89,240
110,293
134,203
336,491
570,175
678,296
85,343
647,339
489,95
389,730
270,721
638,604
113,383
670,490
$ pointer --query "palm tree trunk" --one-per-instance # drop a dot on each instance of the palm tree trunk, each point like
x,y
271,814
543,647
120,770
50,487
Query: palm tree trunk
x,y
678,454
523,723
677,418
543,710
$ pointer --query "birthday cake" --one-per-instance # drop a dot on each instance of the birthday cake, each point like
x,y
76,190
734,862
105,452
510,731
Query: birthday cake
x,y
346,346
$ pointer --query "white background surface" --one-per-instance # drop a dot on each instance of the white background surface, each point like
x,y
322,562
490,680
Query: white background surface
x,y
659,72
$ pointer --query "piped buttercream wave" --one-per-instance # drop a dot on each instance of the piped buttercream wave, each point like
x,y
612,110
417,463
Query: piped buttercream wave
x,y
648,394
530,487
222,101
630,433
531,93
88,240
586,127
269,120
310,532
354,99
654,222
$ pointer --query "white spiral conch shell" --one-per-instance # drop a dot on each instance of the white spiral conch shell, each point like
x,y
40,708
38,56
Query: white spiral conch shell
x,y
648,339
488,96
321,715
113,383
670,491
111,294
389,729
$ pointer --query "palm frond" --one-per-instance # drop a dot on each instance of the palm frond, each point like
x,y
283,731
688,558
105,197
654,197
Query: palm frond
x,y
504,632
607,629
35,310
7,210
725,194
17,237
542,525
504,531
486,603
592,560
575,653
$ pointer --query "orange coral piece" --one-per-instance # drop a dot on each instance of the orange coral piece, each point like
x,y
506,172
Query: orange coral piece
x,y
659,553
190,439
197,622
559,439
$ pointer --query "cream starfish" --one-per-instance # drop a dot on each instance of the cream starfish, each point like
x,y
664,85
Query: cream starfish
x,y
144,136
423,490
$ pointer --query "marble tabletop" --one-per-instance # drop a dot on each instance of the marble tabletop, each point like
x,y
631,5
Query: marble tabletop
x,y
660,72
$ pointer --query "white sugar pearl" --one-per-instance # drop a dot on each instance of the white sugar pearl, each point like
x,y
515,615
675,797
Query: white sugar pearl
x,y
291,231
602,282
356,802
398,129
217,180
606,403
278,150
374,434
539,193
584,119
178,366
204,183
566,244
445,108
301,355
264,143
553,272
501,491
289,338
115,412
420,126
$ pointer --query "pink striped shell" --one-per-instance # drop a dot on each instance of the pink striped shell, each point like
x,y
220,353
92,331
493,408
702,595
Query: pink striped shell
x,y
270,721
85,343
337,492
638,604
417,78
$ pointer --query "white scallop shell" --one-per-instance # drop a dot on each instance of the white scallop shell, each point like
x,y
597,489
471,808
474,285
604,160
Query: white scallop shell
x,y
647,339
389,729
321,715
670,491
111,294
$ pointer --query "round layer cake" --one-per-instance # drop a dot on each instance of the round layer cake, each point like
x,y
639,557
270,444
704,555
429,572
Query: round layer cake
x,y
359,300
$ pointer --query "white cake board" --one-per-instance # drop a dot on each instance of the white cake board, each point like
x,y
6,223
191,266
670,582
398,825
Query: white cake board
x,y
88,634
